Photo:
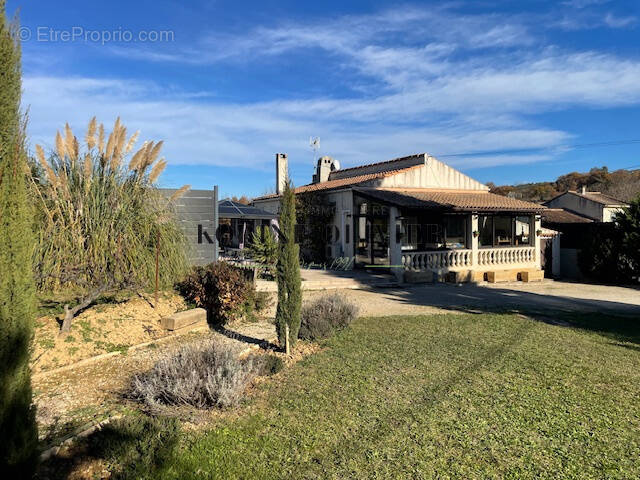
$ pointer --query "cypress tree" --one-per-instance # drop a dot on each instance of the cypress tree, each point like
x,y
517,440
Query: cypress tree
x,y
288,271
18,431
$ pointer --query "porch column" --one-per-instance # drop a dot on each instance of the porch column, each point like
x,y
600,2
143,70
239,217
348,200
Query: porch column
x,y
395,246
474,239
537,222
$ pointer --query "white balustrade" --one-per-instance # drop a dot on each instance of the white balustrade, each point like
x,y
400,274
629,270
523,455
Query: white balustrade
x,y
436,260
506,256
457,259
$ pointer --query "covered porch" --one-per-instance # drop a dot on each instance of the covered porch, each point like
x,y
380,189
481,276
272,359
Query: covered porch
x,y
237,224
456,236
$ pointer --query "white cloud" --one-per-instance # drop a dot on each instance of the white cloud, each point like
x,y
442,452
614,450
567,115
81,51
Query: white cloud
x,y
432,80
348,34
614,21
197,132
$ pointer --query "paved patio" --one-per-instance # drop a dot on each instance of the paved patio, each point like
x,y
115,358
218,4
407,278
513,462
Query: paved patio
x,y
331,280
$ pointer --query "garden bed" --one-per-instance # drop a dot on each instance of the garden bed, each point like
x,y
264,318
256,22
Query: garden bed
x,y
103,328
83,394
456,396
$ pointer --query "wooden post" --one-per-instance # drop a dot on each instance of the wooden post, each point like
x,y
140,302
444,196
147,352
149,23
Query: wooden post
x,y
287,349
157,265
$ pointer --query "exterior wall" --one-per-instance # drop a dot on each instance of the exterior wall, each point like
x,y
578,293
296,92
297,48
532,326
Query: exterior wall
x,y
580,205
569,264
431,173
608,213
556,258
342,220
271,205
343,201
537,228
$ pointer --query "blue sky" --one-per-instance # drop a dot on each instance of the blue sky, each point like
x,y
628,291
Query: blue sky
x,y
232,83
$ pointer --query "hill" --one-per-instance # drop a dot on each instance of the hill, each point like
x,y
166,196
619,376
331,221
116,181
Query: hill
x,y
621,184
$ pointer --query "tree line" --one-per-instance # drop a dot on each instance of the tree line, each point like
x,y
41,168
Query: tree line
x,y
620,184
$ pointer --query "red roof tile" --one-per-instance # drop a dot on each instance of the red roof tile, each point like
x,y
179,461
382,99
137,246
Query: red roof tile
x,y
560,215
458,200
594,197
342,182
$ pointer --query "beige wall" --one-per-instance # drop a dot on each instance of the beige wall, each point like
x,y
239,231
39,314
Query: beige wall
x,y
584,206
428,173
578,204
343,200
608,213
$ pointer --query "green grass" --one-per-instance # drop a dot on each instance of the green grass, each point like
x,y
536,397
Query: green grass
x,y
449,396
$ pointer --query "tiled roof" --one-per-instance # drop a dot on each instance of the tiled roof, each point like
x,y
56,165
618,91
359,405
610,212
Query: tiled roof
x,y
387,165
342,182
560,215
460,200
601,198
595,197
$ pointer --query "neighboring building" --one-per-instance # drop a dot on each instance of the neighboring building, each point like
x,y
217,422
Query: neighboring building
x,y
196,214
421,218
593,205
238,222
576,216
571,229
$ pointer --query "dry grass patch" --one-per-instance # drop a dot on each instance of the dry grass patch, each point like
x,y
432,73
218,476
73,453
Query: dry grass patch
x,y
100,329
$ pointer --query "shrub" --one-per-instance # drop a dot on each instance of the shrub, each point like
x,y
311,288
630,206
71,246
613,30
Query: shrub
x,y
261,301
256,303
264,249
324,316
270,364
203,374
135,446
101,220
221,290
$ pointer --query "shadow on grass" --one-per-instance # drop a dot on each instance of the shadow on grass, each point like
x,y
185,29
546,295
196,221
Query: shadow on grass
x,y
132,447
616,320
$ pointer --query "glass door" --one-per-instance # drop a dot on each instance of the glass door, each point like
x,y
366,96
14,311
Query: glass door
x,y
371,241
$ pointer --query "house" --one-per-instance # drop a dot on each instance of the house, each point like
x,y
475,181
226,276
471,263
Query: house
x,y
422,219
570,230
577,215
593,205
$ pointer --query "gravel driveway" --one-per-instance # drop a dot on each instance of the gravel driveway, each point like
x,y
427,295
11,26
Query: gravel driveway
x,y
548,296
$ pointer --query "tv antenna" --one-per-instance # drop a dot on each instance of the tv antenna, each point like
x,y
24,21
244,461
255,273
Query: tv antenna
x,y
314,143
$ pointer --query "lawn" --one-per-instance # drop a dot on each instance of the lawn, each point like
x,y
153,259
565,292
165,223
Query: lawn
x,y
447,396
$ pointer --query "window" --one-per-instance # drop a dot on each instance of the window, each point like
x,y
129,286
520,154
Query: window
x,y
455,231
485,227
523,227
347,233
410,233
503,235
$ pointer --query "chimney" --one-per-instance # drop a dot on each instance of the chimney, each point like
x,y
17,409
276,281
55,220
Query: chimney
x,y
323,169
583,190
282,172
